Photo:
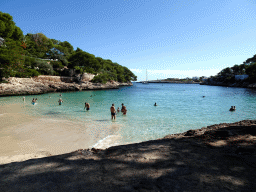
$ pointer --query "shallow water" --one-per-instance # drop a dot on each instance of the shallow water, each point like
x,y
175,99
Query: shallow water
x,y
180,107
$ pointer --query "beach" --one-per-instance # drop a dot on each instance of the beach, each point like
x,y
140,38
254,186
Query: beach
x,y
220,157
25,136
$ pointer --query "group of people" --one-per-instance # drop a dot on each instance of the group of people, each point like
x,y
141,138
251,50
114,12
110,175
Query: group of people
x,y
113,110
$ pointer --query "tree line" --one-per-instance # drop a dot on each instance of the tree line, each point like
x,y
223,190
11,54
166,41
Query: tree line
x,y
35,54
248,67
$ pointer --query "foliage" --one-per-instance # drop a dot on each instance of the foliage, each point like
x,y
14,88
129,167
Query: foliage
x,y
38,45
251,71
86,61
32,55
101,78
43,67
227,75
25,73
11,58
8,28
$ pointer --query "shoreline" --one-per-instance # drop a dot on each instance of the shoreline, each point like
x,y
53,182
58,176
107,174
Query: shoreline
x,y
25,137
48,84
105,141
220,157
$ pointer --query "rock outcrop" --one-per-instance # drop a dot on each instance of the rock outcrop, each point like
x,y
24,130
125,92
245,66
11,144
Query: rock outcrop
x,y
46,84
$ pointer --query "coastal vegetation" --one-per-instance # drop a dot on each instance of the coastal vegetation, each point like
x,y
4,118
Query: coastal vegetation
x,y
35,54
230,75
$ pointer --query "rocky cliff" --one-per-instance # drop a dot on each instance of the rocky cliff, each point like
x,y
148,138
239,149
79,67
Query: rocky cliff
x,y
46,84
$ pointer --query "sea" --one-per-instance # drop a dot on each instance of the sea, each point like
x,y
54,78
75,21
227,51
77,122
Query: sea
x,y
180,107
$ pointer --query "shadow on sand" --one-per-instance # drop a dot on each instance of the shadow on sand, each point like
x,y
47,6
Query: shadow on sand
x,y
209,159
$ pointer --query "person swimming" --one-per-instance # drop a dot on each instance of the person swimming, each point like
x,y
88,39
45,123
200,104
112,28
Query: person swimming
x,y
233,108
118,109
155,104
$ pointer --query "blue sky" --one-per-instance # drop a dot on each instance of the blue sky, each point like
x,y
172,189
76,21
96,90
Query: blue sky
x,y
169,38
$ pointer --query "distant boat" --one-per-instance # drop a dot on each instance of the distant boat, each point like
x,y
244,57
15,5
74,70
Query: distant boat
x,y
146,82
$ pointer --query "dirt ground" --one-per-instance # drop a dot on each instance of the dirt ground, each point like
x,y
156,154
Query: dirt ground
x,y
216,158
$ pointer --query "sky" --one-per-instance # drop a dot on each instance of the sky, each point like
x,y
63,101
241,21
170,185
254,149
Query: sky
x,y
168,38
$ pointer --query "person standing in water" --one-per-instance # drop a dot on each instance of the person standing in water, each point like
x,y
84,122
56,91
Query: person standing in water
x,y
123,110
60,101
113,112
87,106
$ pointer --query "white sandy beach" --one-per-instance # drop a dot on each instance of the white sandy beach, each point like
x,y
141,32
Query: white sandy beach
x,y
24,137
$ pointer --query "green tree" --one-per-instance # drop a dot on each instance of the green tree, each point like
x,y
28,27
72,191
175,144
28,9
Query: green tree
x,y
251,71
85,60
12,57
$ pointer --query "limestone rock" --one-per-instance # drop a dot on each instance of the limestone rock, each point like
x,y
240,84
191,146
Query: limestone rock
x,y
46,83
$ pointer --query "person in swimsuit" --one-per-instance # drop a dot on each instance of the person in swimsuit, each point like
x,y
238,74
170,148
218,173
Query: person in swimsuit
x,y
155,104
60,101
33,101
118,110
123,110
113,111
87,106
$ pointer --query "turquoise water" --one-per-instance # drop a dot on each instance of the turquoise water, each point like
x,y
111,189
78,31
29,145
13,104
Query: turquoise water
x,y
180,107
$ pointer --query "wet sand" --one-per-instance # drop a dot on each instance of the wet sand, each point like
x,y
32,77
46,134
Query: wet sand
x,y
24,137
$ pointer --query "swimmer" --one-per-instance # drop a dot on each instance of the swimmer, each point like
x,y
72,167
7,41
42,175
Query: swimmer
x,y
60,101
60,94
155,104
113,112
118,109
233,108
123,110
87,106
24,99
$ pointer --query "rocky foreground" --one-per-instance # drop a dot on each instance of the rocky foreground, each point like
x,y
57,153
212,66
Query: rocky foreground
x,y
45,84
216,158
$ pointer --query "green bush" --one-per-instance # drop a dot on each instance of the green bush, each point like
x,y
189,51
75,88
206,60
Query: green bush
x,y
101,78
26,73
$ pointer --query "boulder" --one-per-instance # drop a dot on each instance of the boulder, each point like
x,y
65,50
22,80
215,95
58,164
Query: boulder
x,y
86,77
